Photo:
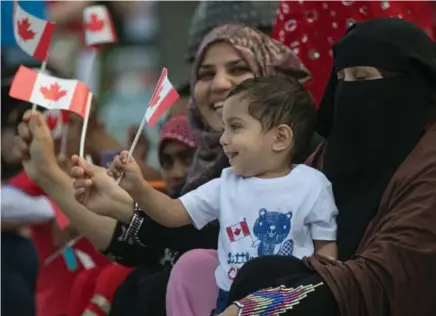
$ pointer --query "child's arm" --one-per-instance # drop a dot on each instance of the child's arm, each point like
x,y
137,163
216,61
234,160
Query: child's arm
x,y
198,207
326,248
160,207
322,221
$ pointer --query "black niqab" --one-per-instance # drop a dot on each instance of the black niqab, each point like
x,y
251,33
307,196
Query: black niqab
x,y
372,125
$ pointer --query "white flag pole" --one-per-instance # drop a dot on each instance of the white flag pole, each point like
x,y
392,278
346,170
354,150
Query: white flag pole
x,y
89,105
134,143
138,133
42,70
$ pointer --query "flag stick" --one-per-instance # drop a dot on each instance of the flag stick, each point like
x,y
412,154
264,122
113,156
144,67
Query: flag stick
x,y
42,69
138,133
85,126
64,140
89,105
59,252
134,143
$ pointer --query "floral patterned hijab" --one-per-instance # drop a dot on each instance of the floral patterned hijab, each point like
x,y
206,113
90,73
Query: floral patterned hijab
x,y
265,57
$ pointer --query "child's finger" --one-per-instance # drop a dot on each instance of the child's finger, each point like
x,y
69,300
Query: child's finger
x,y
124,156
118,164
116,167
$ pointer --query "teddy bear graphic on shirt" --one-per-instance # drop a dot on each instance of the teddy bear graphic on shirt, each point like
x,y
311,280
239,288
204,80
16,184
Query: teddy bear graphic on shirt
x,y
272,229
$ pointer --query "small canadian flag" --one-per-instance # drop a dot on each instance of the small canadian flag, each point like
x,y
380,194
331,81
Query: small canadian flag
x,y
56,121
98,26
51,92
238,231
164,96
33,35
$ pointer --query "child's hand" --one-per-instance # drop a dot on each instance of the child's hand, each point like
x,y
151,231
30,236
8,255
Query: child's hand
x,y
128,169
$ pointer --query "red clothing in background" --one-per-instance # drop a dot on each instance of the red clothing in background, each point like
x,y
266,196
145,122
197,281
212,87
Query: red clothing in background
x,y
55,280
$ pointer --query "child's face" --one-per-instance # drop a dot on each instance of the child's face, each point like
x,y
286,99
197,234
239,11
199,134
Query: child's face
x,y
175,159
247,146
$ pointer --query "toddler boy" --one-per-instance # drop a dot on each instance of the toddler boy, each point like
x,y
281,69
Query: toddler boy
x,y
266,205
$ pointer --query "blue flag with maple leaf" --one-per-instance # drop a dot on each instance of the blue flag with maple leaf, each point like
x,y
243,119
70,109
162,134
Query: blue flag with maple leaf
x,y
36,8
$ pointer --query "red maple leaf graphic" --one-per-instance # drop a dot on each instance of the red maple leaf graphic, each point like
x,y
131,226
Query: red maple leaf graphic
x,y
237,231
95,24
24,29
53,93
52,121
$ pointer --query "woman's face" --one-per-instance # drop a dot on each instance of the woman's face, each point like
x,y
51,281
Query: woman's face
x,y
175,160
220,70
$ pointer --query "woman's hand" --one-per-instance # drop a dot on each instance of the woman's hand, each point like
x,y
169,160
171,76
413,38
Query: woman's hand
x,y
99,192
34,146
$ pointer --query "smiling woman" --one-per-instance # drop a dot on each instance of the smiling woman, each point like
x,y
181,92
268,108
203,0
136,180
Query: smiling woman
x,y
222,68
228,55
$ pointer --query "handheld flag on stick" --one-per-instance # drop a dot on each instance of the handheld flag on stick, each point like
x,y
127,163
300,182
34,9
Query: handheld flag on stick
x,y
50,92
164,96
33,35
53,93
99,29
98,26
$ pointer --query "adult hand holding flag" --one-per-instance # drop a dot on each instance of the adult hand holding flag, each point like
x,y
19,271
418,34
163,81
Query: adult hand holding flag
x,y
35,147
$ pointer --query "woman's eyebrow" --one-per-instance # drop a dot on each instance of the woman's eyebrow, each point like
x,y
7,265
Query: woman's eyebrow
x,y
229,63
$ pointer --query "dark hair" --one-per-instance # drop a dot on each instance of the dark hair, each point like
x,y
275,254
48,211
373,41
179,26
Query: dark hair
x,y
277,100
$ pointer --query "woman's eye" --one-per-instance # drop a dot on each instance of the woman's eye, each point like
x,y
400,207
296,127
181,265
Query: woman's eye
x,y
240,70
205,75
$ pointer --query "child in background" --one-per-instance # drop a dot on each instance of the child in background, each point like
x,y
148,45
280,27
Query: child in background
x,y
266,205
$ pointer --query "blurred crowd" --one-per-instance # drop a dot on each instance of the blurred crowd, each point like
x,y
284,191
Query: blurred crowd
x,y
56,262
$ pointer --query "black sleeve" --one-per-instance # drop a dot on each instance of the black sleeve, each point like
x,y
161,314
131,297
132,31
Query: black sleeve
x,y
143,242
129,252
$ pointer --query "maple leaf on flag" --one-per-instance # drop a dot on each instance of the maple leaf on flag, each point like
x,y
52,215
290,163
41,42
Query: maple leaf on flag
x,y
24,30
155,101
53,93
95,24
52,121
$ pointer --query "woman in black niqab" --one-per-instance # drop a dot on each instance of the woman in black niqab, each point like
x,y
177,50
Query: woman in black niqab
x,y
375,116
375,123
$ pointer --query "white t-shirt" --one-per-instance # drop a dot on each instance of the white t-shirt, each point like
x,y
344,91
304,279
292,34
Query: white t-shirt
x,y
258,217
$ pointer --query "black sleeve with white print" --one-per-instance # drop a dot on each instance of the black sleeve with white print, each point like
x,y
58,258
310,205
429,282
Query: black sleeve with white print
x,y
143,242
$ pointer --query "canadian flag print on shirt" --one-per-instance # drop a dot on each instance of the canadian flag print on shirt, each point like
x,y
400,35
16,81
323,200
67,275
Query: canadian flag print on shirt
x,y
98,26
50,92
238,231
164,96
33,35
